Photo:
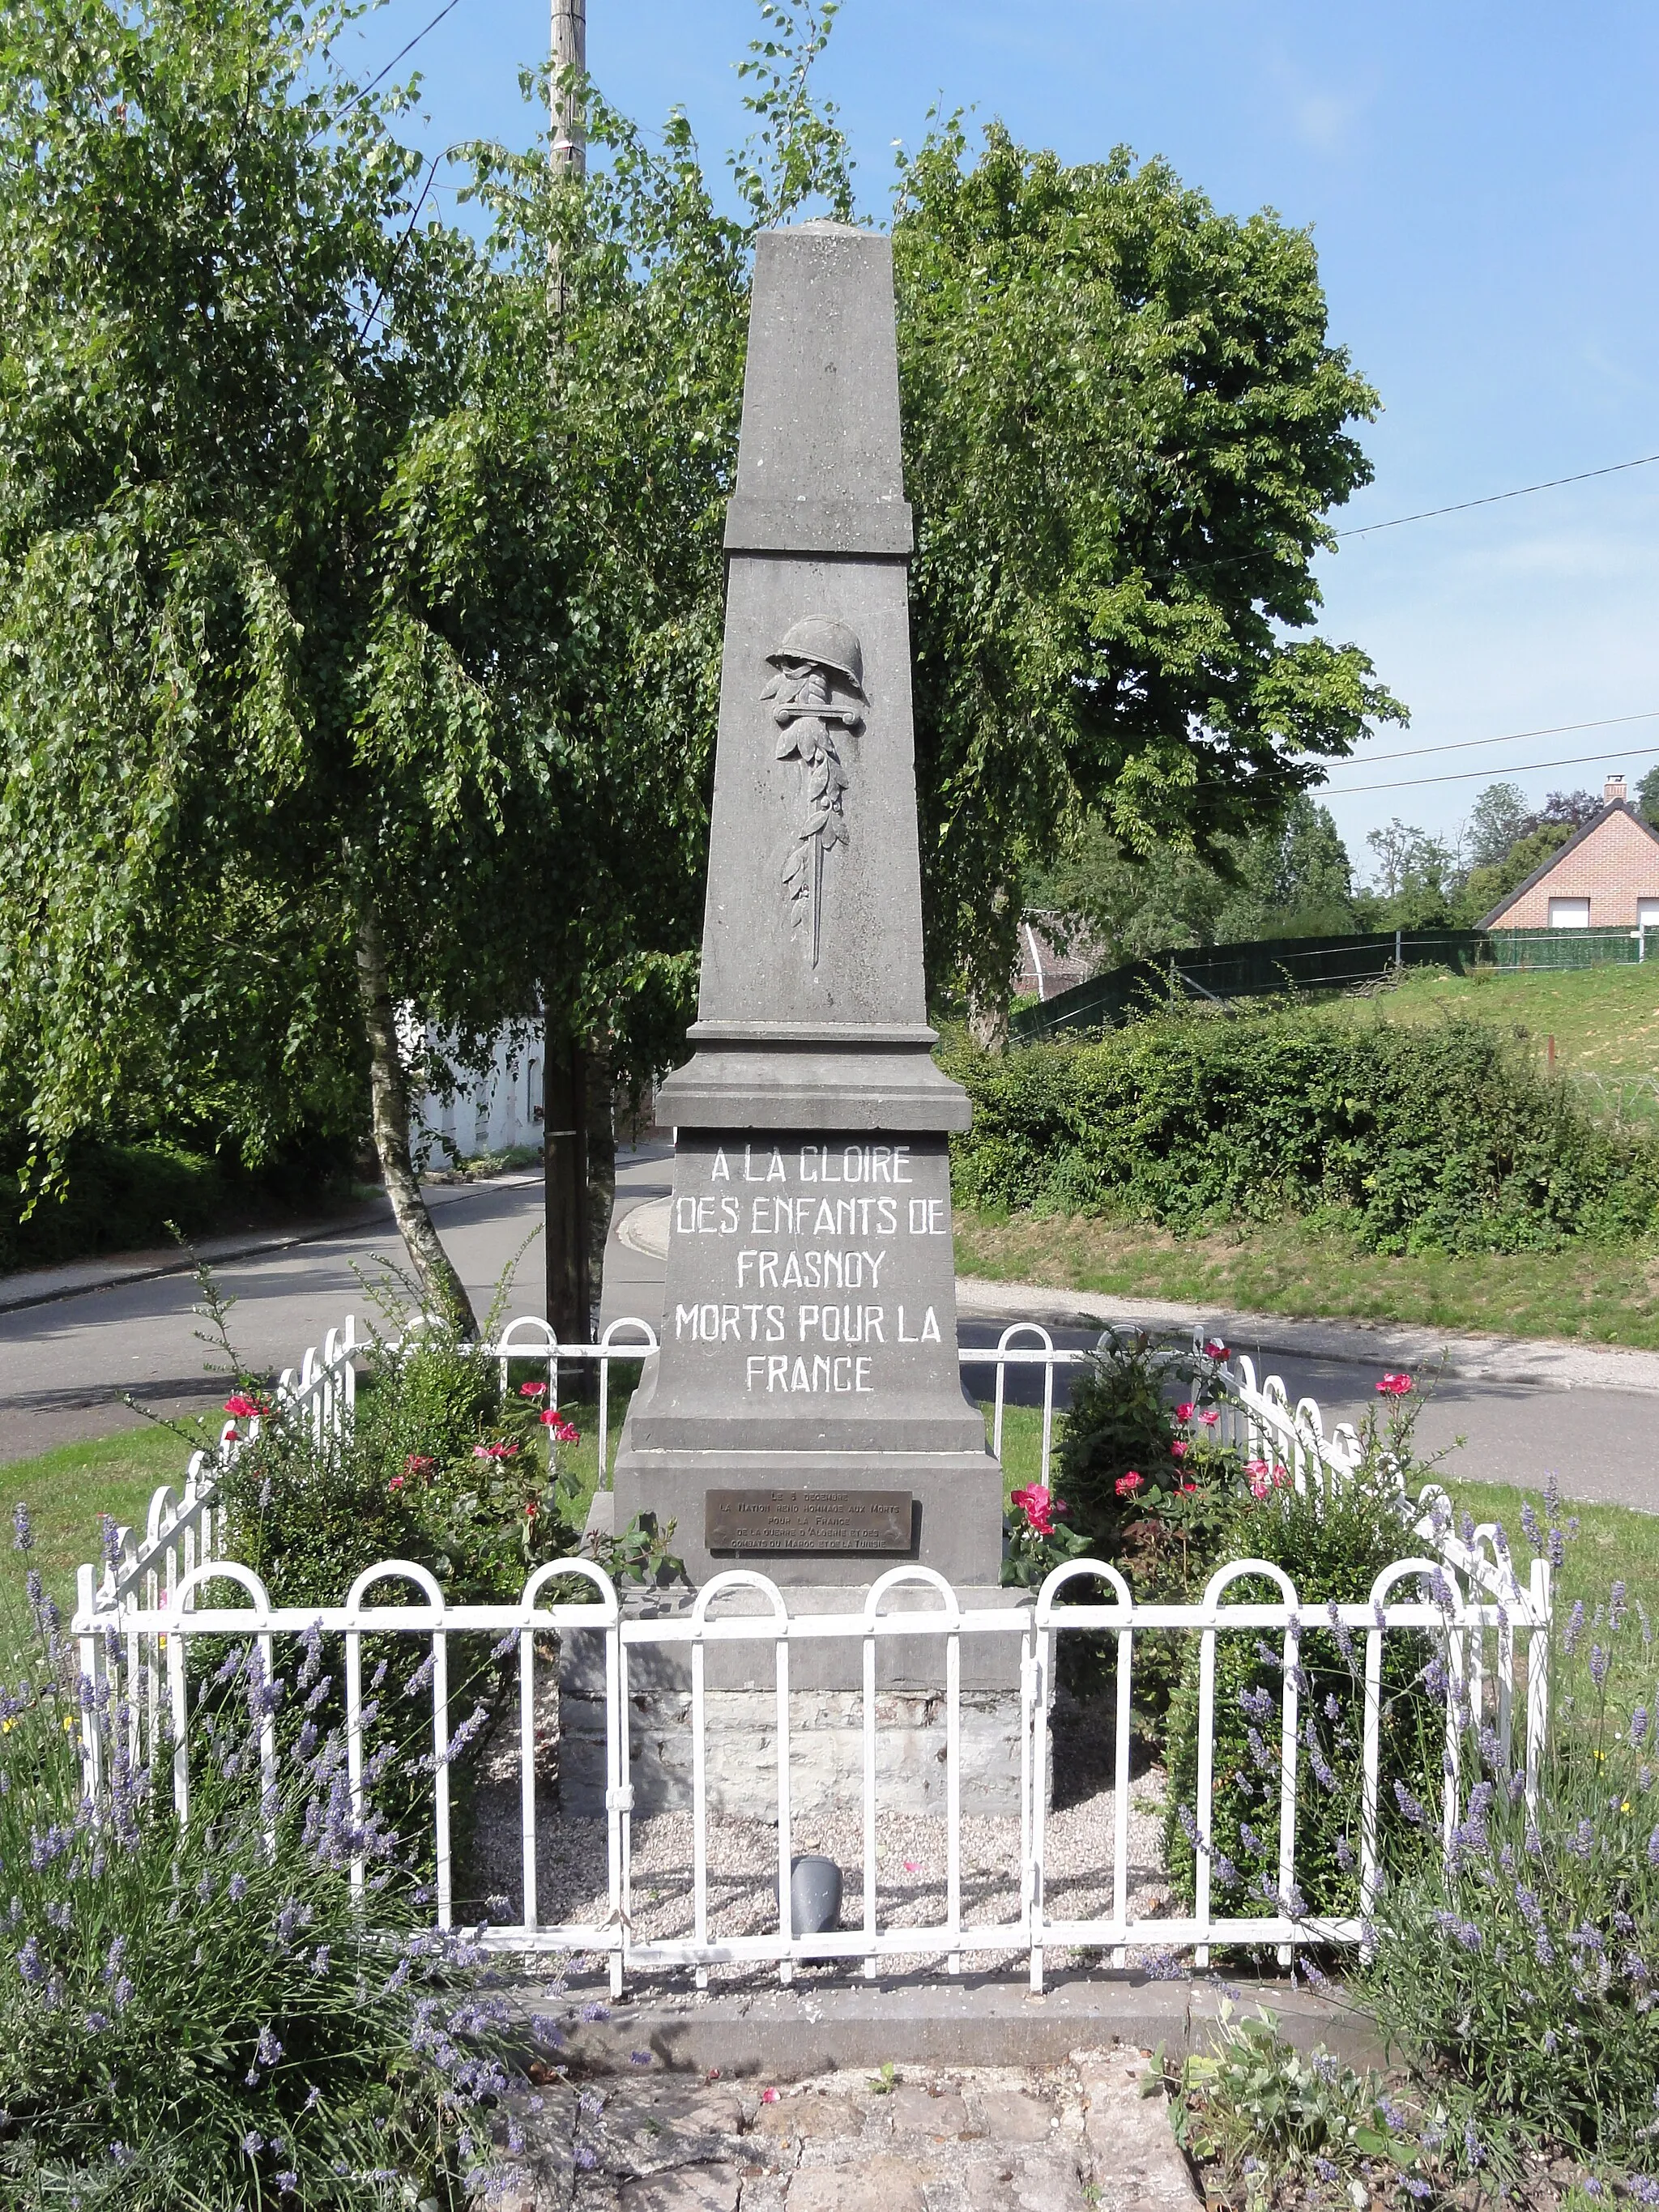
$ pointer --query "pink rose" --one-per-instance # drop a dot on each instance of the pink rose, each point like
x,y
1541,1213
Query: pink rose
x,y
1394,1386
1184,1413
1127,1484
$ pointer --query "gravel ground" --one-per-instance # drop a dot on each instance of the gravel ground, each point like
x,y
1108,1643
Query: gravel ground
x,y
910,1867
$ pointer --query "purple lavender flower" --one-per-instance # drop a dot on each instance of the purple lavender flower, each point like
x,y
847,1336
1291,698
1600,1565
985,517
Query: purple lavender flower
x,y
267,2051
30,1964
639,2058
594,2012
319,1960
288,2182
1408,1805
1574,1630
23,1529
121,2154
1598,1664
253,2142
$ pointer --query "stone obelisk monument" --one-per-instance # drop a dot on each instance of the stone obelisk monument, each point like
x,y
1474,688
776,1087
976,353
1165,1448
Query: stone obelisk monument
x,y
806,1413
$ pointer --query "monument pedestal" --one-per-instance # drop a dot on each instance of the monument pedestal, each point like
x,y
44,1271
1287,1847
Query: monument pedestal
x,y
804,1417
826,1715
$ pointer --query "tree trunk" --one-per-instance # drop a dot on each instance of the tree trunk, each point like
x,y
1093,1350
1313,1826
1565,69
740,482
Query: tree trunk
x,y
441,1287
569,1278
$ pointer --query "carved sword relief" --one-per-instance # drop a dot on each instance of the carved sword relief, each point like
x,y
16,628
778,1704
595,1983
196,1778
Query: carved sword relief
x,y
817,658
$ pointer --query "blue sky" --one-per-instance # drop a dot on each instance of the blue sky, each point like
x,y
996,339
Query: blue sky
x,y
1482,182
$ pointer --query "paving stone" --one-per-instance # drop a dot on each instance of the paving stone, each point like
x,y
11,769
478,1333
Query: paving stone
x,y
810,2117
943,2139
1138,2166
686,2188
874,2184
1050,2182
914,2109
1011,2117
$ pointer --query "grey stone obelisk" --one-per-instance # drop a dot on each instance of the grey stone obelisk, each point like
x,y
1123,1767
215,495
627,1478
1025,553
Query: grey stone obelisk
x,y
809,1352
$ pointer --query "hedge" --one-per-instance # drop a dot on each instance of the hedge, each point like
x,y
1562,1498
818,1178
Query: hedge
x,y
1435,1138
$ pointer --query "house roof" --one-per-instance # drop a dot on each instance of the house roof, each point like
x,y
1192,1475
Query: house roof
x,y
1489,921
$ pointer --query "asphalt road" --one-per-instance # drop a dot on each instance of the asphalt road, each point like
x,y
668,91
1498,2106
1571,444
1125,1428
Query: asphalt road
x,y
65,1367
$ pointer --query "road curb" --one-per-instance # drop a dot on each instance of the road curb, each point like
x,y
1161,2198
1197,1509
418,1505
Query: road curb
x,y
1548,1362
790,2035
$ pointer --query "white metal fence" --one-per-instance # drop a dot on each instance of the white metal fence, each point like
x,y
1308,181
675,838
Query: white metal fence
x,y
136,1624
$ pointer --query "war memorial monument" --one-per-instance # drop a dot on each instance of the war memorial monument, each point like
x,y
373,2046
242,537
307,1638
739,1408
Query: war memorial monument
x,y
805,1415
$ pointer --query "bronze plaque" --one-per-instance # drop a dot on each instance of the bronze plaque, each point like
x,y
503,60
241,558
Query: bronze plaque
x,y
807,1520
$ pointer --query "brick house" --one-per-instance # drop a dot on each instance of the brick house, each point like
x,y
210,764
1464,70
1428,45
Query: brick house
x,y
1605,877
1055,951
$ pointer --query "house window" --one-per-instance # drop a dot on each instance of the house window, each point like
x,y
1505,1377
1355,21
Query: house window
x,y
1647,914
1569,913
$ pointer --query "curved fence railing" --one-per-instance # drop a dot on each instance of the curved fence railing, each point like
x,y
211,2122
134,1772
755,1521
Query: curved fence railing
x,y
138,1622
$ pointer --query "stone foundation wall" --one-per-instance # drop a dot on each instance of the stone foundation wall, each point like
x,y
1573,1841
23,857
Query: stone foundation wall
x,y
826,1751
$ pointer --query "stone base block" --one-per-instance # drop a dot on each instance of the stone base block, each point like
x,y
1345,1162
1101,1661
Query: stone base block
x,y
826,1751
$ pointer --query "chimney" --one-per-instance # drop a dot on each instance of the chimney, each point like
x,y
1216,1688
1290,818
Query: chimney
x,y
1613,790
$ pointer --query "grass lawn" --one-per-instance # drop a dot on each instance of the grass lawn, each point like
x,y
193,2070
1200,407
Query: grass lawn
x,y
66,1490
1600,1295
1605,1021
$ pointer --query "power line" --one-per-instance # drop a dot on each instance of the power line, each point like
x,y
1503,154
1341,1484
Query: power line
x,y
1511,738
1493,498
449,5
1467,775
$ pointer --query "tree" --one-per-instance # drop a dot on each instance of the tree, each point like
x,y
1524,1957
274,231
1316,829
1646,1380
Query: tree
x,y
1647,796
1124,430
1292,879
1498,820
356,645
1416,880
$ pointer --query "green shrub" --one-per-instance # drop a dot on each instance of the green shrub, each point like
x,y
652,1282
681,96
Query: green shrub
x,y
1332,1545
197,2015
1432,1139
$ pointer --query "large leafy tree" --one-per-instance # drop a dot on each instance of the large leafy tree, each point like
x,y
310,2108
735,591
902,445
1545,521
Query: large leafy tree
x,y
1124,429
357,629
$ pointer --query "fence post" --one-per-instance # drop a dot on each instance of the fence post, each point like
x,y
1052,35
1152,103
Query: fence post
x,y
1399,948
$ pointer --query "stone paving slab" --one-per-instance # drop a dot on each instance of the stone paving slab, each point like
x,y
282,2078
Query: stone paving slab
x,y
1064,2137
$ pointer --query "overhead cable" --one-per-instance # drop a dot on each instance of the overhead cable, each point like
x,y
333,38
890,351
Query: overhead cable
x,y
1493,498
1469,775
380,78
1509,738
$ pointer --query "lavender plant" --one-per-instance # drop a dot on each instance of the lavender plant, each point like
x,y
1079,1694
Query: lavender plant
x,y
1517,1967
197,2014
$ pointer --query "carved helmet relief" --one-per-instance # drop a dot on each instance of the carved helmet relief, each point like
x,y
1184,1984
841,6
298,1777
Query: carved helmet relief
x,y
820,665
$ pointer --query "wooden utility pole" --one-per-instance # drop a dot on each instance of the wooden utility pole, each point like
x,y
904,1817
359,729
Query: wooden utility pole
x,y
566,1067
569,51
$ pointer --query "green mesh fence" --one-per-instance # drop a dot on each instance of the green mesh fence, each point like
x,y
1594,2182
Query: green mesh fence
x,y
1270,966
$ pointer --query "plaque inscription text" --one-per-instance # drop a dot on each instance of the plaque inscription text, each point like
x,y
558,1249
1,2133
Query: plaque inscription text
x,y
807,1520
